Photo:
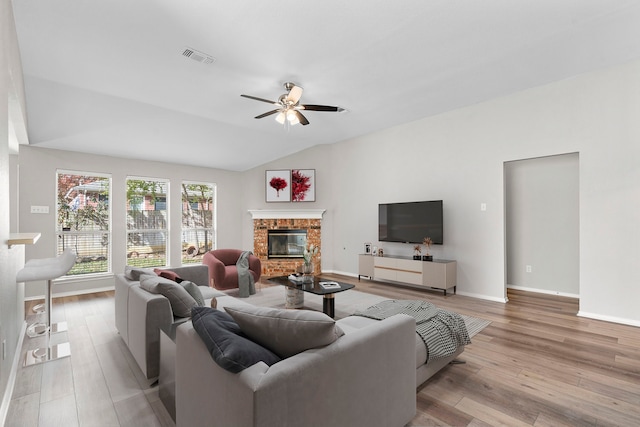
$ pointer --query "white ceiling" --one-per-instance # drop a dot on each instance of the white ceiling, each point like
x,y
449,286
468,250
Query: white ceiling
x,y
109,77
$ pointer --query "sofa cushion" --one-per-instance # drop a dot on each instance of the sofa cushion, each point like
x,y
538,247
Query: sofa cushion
x,y
286,332
194,291
134,273
168,274
224,340
180,300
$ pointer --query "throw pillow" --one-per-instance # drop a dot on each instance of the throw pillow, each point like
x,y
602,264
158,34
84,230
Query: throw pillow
x,y
180,300
134,273
194,291
168,274
225,342
286,332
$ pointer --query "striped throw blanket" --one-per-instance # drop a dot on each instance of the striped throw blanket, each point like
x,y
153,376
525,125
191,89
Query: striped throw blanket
x,y
442,331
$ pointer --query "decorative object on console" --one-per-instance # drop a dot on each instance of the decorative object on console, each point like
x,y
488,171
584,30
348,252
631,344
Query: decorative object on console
x,y
367,248
427,242
303,185
417,250
278,188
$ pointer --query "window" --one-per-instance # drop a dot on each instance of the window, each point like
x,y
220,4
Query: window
x,y
198,221
147,222
83,220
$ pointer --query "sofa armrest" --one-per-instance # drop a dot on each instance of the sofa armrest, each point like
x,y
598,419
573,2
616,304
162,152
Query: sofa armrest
x,y
147,313
366,378
198,274
206,394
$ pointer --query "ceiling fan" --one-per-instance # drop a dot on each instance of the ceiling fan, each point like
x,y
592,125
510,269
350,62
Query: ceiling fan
x,y
289,106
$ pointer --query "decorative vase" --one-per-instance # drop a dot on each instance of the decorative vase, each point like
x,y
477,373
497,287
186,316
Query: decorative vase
x,y
427,258
417,257
307,273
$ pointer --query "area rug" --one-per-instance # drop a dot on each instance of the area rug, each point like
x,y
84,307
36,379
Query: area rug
x,y
347,303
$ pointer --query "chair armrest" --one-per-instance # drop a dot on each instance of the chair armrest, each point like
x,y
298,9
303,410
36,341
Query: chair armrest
x,y
216,269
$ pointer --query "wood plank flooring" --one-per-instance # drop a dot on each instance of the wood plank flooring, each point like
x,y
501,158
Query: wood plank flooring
x,y
537,364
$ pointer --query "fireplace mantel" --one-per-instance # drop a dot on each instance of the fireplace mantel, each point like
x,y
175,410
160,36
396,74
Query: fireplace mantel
x,y
287,213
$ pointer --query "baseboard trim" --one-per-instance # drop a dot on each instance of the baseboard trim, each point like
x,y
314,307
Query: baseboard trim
x,y
611,319
543,291
72,293
458,292
8,392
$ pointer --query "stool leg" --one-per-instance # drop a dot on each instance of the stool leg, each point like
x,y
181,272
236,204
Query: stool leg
x,y
50,352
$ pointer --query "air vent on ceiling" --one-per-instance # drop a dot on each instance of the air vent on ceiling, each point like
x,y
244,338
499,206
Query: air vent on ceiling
x,y
203,58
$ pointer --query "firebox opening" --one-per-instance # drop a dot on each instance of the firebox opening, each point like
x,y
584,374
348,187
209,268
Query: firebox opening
x,y
286,243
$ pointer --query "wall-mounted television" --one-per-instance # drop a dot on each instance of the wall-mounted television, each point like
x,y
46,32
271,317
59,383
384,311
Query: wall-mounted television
x,y
410,222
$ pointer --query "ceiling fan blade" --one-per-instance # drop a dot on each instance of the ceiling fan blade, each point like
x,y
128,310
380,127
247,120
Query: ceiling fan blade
x,y
312,107
294,94
303,120
260,99
268,113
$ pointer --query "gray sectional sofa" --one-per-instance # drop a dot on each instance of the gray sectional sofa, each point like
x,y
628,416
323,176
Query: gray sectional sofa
x,y
140,314
366,377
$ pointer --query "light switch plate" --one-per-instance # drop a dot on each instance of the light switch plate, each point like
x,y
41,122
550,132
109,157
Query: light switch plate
x,y
39,209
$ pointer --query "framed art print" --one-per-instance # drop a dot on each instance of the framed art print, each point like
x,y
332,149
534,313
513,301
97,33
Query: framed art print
x,y
303,185
278,186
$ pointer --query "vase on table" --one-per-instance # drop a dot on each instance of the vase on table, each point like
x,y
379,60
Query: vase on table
x,y
307,272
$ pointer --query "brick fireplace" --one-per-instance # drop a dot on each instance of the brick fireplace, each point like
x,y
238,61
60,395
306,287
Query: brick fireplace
x,y
265,220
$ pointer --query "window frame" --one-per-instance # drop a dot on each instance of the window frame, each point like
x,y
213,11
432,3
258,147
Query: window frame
x,y
166,231
62,232
212,229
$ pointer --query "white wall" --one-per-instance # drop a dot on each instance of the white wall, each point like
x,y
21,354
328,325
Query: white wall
x,y
12,105
38,168
543,224
459,157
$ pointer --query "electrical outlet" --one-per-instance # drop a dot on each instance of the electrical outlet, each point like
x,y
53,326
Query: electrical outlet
x,y
39,209
483,207
528,268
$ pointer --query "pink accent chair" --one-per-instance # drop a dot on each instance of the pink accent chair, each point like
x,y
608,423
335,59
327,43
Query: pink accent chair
x,y
223,273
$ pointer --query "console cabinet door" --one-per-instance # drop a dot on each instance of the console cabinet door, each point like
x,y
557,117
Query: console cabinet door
x,y
385,268
409,271
365,265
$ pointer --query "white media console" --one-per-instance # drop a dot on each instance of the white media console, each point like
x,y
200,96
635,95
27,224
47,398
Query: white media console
x,y
437,274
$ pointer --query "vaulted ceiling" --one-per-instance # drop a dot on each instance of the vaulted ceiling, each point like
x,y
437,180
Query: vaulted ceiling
x,y
110,77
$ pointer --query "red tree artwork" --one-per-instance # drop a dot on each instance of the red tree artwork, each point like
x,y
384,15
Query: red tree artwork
x,y
278,184
300,184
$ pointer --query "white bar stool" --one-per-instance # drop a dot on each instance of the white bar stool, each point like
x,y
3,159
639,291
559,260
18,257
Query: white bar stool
x,y
47,269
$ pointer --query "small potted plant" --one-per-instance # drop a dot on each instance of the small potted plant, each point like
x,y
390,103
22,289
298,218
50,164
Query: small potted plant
x,y
427,242
417,250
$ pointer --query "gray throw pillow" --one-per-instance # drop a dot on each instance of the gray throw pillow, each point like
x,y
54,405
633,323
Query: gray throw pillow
x,y
286,332
180,300
194,291
226,344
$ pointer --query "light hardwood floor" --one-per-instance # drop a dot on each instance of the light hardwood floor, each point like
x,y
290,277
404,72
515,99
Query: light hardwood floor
x,y
537,364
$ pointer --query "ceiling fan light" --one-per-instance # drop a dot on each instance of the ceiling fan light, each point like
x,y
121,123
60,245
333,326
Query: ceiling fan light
x,y
292,117
280,118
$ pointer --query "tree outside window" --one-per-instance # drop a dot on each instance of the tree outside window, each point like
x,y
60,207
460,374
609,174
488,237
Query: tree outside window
x,y
147,222
83,220
198,224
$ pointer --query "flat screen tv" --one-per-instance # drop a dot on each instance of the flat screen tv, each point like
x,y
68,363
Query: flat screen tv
x,y
410,222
